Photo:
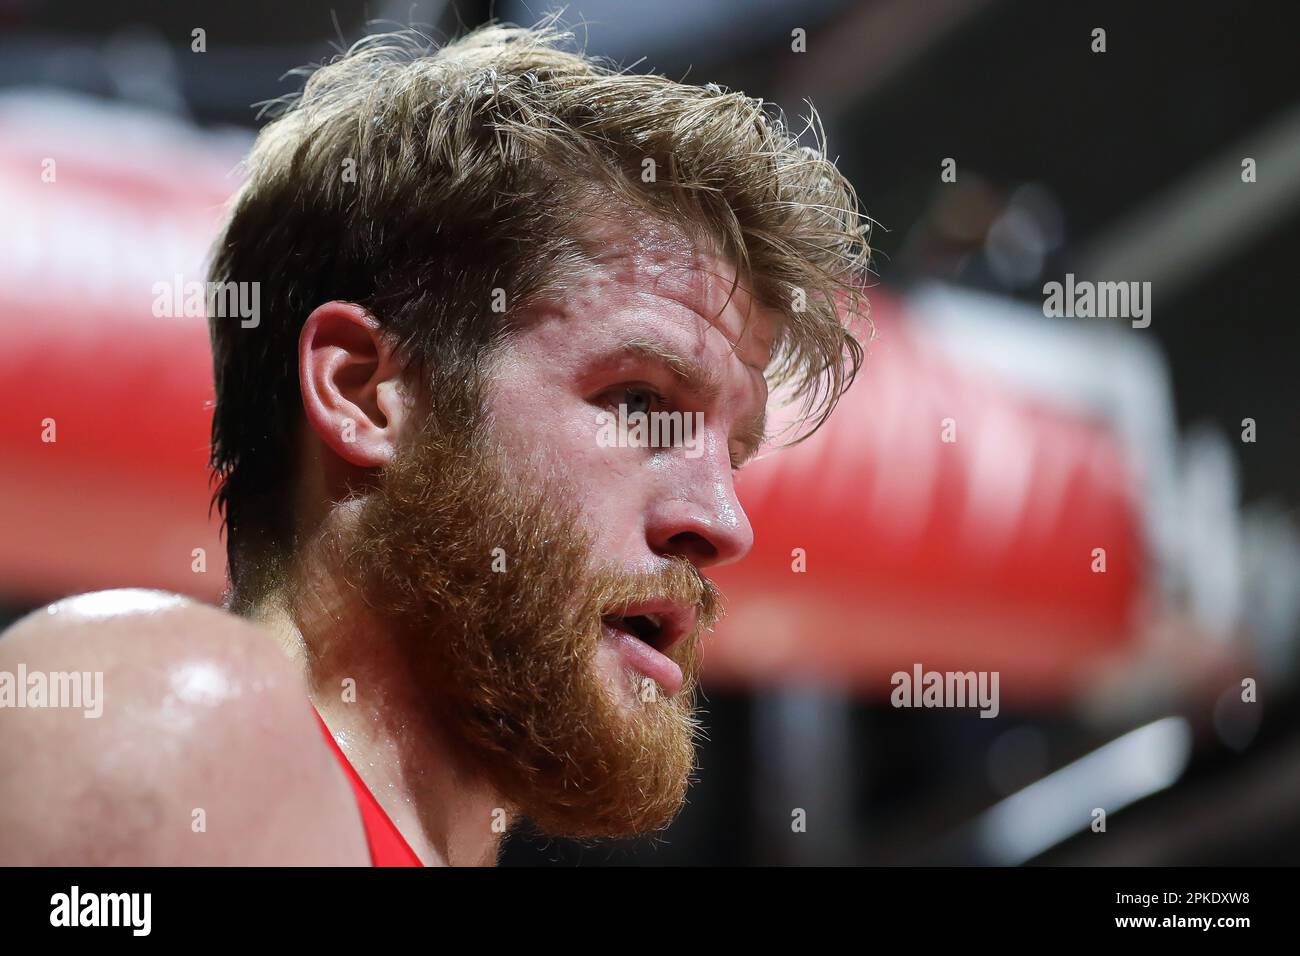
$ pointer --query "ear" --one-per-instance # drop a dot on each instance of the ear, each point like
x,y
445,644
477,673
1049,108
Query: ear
x,y
353,394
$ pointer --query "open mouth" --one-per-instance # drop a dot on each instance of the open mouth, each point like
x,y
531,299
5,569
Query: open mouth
x,y
647,628
645,636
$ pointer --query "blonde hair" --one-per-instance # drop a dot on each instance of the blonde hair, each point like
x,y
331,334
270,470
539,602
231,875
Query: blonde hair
x,y
416,180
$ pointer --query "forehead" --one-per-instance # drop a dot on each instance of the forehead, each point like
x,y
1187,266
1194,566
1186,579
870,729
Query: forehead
x,y
656,281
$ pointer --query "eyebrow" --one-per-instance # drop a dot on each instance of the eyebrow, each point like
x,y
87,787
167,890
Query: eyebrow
x,y
704,382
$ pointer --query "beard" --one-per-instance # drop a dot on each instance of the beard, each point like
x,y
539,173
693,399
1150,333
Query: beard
x,y
488,584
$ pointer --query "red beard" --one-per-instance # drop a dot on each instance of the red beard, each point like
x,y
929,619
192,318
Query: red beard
x,y
487,584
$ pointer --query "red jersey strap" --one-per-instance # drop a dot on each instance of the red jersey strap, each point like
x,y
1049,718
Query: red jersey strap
x,y
387,846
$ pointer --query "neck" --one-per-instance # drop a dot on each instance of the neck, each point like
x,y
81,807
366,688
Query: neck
x,y
363,688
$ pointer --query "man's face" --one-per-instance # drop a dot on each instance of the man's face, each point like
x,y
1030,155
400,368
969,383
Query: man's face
x,y
650,328
545,581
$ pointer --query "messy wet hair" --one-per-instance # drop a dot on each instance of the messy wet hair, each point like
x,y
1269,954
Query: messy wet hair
x,y
427,183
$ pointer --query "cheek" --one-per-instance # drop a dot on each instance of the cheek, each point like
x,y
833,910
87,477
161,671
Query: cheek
x,y
608,482
552,428
538,422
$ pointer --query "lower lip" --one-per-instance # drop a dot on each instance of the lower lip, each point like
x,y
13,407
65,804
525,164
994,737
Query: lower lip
x,y
644,659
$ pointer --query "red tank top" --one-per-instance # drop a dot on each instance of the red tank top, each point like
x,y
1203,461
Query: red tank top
x,y
387,846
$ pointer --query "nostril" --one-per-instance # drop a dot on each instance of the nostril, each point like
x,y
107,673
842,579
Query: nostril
x,y
693,546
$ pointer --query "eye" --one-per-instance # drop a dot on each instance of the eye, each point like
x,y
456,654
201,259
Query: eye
x,y
639,400
635,398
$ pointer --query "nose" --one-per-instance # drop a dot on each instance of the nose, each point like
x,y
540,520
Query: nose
x,y
699,517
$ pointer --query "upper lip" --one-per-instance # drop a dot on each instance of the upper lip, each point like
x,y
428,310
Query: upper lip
x,y
676,621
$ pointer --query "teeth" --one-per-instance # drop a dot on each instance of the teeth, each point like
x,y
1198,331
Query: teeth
x,y
655,620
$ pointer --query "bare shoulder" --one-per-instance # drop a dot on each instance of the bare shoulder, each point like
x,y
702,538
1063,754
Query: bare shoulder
x,y
143,728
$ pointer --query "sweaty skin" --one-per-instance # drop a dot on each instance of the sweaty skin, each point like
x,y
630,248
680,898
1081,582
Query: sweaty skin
x,y
204,753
